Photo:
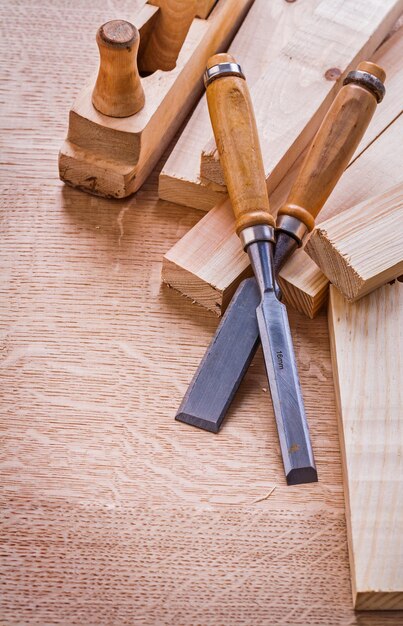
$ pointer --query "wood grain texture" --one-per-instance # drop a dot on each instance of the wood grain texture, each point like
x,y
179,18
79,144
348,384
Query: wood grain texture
x,y
111,512
265,30
234,125
367,347
290,99
216,246
112,157
118,91
207,264
361,249
375,170
169,31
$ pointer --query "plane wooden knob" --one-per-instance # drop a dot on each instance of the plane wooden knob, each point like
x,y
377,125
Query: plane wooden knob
x,y
118,91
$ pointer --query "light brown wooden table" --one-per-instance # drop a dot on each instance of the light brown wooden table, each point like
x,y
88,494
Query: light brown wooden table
x,y
113,513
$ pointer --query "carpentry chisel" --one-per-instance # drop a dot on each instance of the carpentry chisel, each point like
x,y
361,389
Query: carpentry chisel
x,y
238,145
226,360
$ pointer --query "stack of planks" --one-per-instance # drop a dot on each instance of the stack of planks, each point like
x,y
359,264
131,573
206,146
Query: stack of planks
x,y
357,255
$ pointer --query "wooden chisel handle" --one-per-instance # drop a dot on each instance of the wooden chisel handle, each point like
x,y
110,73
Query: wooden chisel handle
x,y
235,132
335,143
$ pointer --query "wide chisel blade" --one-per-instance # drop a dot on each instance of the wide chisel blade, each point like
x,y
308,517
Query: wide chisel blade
x,y
225,362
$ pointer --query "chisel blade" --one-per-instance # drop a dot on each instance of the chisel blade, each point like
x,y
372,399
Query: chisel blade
x,y
285,390
285,247
281,368
225,362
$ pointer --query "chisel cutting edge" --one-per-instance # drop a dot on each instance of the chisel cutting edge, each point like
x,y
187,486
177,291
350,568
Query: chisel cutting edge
x,y
227,359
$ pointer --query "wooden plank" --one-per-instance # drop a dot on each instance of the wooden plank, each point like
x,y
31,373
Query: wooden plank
x,y
265,30
201,276
208,263
291,99
361,249
367,346
180,179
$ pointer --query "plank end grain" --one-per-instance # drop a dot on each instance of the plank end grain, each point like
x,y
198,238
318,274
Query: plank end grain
x,y
191,195
303,285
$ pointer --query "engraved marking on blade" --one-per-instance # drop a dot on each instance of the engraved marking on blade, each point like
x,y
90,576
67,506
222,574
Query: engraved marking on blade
x,y
280,359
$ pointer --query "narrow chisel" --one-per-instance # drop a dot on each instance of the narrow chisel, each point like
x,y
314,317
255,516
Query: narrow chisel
x,y
235,132
210,393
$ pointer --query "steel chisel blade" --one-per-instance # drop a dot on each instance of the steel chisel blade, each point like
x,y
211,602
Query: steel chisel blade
x,y
281,368
288,405
225,362
248,320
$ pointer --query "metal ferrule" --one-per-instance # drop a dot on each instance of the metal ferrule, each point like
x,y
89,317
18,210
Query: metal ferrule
x,y
293,227
367,80
261,258
222,69
251,234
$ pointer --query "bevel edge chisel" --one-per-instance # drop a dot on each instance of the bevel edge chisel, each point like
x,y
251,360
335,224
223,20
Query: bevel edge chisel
x,y
234,126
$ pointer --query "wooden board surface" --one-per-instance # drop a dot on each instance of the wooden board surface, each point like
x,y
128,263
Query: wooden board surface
x,y
207,264
367,346
290,100
111,512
